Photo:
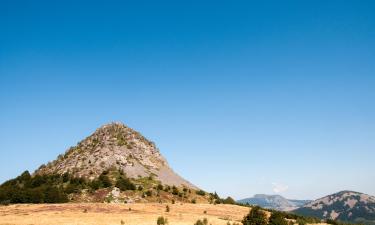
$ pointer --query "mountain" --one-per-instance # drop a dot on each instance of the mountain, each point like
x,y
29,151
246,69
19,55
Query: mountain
x,y
347,206
274,202
115,146
114,164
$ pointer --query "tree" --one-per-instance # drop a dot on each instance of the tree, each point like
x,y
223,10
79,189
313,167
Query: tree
x,y
256,216
229,200
277,218
124,184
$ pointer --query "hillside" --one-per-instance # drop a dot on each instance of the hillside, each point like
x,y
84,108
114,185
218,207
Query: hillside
x,y
114,164
347,206
115,146
276,202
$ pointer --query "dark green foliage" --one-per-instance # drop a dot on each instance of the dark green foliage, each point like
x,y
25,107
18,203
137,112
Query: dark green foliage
x,y
256,216
175,190
301,220
124,184
202,222
162,221
201,192
199,222
277,218
148,193
160,187
229,200
167,188
104,180
37,189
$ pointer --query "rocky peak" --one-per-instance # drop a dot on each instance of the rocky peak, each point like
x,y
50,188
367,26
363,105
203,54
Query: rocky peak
x,y
115,146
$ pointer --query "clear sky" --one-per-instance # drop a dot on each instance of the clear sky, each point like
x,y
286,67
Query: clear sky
x,y
241,97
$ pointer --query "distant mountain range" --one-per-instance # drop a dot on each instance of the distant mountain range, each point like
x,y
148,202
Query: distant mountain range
x,y
276,202
346,206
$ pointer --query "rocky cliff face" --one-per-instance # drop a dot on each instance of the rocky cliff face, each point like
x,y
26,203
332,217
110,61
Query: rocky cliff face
x,y
115,146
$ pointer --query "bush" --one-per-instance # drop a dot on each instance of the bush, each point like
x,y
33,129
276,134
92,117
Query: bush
x,y
256,216
167,209
301,221
175,191
104,180
124,184
160,187
161,221
200,192
229,200
277,218
202,222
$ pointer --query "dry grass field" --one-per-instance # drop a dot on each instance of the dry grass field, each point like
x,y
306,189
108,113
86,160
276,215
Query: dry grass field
x,y
117,214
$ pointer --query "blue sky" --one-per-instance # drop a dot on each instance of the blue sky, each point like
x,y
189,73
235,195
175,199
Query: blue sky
x,y
241,97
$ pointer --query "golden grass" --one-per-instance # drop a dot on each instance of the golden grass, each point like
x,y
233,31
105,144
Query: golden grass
x,y
108,214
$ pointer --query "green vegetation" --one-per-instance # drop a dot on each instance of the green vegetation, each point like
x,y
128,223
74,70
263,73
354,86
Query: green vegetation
x,y
37,189
161,221
55,188
229,200
278,218
123,183
201,222
256,216
201,192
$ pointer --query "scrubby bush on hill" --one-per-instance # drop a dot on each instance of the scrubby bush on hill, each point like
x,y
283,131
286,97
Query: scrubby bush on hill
x,y
124,184
277,218
200,192
256,216
161,221
229,200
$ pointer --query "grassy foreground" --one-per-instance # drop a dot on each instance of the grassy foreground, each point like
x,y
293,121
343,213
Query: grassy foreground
x,y
119,214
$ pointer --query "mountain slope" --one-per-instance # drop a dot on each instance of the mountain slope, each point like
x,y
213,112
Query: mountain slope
x,y
114,164
345,206
115,146
273,202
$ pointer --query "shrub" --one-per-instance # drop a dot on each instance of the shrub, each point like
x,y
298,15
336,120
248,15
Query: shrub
x,y
167,208
229,200
104,180
194,201
199,222
175,190
277,218
161,221
200,192
301,221
160,187
256,216
124,184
